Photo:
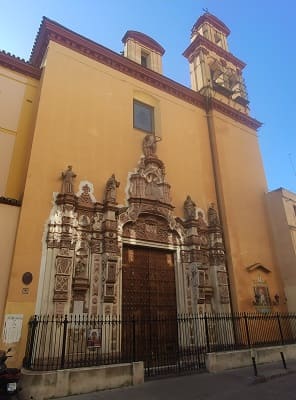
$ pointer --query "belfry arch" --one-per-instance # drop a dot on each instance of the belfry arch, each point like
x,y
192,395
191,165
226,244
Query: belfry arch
x,y
88,244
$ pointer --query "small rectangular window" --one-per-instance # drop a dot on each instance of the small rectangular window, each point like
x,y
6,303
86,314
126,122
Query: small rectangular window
x,y
145,61
205,33
143,117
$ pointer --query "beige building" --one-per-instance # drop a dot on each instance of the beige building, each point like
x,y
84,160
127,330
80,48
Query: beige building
x,y
282,214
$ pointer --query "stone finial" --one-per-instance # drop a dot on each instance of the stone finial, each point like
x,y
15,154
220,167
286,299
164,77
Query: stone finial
x,y
213,218
189,209
111,190
67,177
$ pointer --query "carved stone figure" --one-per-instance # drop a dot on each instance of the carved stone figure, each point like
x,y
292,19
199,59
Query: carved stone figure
x,y
111,189
80,267
189,208
200,220
213,218
149,145
68,176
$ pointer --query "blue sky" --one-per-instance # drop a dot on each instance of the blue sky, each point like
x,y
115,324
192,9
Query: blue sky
x,y
262,35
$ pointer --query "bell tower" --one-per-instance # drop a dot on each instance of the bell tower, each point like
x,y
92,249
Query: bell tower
x,y
212,66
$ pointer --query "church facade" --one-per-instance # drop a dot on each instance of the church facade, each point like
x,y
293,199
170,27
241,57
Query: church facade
x,y
139,196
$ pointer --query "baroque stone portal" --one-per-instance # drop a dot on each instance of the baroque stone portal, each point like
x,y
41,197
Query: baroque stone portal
x,y
85,238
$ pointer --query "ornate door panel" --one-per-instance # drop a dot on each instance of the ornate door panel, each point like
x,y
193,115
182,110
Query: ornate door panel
x,y
149,298
135,275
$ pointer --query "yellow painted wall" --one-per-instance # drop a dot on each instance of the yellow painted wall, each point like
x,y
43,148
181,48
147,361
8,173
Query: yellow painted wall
x,y
282,216
7,141
18,104
8,226
243,189
85,118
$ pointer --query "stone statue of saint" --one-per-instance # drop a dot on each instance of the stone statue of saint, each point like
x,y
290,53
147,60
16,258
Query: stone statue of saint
x,y
189,209
149,145
200,220
111,189
213,218
68,176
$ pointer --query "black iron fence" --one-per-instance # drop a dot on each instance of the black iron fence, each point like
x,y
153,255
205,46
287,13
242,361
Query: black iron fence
x,y
166,345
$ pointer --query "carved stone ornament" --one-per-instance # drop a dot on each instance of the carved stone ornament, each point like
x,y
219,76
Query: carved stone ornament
x,y
153,229
85,239
84,220
85,195
63,265
149,215
61,288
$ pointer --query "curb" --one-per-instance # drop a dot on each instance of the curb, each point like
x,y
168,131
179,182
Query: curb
x,y
267,377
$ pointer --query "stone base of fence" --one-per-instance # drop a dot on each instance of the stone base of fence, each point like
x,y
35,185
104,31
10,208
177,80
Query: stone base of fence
x,y
222,361
42,385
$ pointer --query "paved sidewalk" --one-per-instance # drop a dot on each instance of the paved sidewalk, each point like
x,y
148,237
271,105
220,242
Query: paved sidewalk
x,y
273,382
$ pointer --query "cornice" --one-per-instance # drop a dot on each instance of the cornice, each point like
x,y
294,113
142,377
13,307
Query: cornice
x,y
14,63
50,30
235,114
145,40
211,19
202,41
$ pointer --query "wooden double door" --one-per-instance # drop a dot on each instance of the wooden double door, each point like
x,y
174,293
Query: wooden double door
x,y
149,307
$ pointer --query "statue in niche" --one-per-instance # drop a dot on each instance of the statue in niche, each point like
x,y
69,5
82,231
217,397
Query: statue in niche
x,y
213,218
80,268
97,221
194,276
149,145
111,189
68,176
189,208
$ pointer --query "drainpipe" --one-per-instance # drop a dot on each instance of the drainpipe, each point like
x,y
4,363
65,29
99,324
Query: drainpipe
x,y
218,183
